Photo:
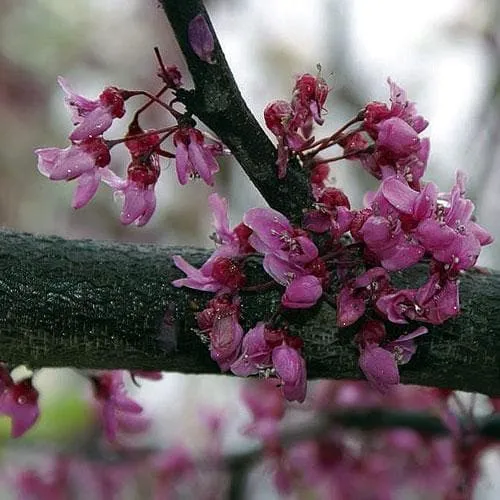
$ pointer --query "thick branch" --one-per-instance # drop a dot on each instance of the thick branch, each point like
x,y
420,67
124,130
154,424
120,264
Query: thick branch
x,y
105,305
217,101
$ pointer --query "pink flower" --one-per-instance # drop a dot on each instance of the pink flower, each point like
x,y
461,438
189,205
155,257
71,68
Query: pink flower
x,y
139,203
20,402
226,336
193,157
255,353
291,370
92,118
201,39
403,348
385,238
113,403
379,366
279,117
85,162
434,302
309,97
137,191
453,238
397,137
302,293
273,234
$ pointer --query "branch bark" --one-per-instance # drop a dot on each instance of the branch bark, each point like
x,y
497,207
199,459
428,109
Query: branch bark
x,y
217,101
93,304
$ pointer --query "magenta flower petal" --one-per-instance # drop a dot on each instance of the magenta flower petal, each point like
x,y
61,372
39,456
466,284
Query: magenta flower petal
x,y
220,222
349,307
379,367
201,39
255,353
95,124
397,136
291,369
87,185
302,293
20,403
399,194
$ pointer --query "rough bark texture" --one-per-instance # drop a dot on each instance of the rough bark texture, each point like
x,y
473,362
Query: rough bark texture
x,y
95,304
217,101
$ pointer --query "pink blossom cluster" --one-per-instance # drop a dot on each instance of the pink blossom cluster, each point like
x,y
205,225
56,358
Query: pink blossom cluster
x,y
321,454
338,255
337,462
118,414
287,254
87,160
405,222
19,401
291,122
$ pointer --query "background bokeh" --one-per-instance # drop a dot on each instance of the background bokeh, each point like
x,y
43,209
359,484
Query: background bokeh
x,y
446,54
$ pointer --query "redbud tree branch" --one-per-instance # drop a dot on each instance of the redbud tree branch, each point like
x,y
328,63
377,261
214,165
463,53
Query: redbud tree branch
x,y
93,304
217,101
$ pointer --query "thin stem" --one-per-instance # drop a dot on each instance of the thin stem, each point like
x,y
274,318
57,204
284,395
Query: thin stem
x,y
113,142
155,99
148,104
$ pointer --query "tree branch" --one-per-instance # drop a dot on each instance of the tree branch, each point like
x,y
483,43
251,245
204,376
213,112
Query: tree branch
x,y
217,101
95,304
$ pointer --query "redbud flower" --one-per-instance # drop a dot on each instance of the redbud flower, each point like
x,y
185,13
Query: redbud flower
x,y
20,402
291,370
255,353
92,118
302,293
113,402
273,234
201,39
379,366
193,157
85,162
309,96
226,336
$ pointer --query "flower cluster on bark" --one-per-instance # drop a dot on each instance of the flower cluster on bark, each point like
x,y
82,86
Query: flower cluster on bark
x,y
338,256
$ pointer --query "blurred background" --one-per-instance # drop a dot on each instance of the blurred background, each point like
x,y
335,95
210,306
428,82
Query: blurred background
x,y
446,54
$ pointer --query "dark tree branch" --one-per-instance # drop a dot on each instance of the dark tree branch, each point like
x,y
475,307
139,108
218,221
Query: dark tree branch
x,y
217,101
93,304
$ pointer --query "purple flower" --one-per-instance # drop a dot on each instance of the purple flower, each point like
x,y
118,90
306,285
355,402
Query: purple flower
x,y
404,109
113,404
273,234
255,353
92,118
226,337
303,292
453,238
193,157
434,302
397,136
379,366
20,402
291,370
220,220
201,39
386,239
353,296
403,348
137,191
85,162
198,279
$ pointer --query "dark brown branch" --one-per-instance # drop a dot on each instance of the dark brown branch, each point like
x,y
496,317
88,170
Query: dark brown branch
x,y
105,305
217,101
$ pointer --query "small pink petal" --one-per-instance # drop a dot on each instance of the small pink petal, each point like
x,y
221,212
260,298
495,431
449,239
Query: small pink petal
x,y
201,39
